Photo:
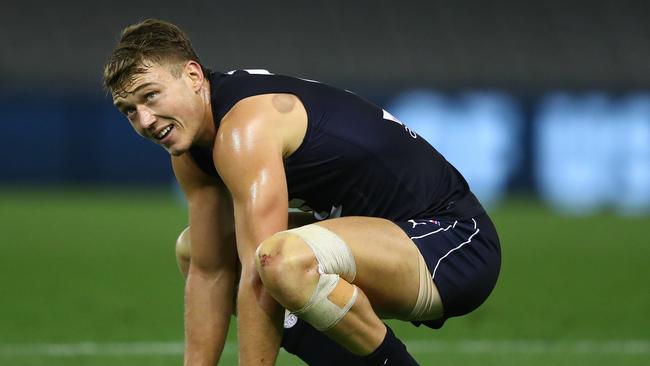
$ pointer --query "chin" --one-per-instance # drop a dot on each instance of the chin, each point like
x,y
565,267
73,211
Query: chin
x,y
177,150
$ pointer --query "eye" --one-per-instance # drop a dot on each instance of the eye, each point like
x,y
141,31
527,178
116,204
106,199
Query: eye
x,y
150,96
129,112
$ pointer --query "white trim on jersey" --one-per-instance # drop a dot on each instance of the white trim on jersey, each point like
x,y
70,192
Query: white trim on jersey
x,y
390,117
251,71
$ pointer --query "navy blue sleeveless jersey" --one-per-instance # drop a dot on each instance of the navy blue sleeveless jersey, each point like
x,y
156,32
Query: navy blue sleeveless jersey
x,y
355,160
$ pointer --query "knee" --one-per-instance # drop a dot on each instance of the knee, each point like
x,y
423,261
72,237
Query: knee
x,y
183,251
287,268
183,244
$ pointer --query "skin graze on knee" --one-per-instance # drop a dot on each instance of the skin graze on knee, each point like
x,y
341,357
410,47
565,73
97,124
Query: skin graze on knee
x,y
265,259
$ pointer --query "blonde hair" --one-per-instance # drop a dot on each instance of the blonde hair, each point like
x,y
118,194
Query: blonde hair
x,y
141,45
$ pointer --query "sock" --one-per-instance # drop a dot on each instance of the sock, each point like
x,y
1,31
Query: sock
x,y
391,352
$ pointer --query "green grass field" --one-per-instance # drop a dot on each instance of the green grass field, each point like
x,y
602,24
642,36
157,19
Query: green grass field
x,y
89,278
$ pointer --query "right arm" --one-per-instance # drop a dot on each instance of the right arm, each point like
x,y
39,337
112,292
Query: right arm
x,y
212,271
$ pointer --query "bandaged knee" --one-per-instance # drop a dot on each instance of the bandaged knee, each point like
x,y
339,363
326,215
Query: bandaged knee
x,y
335,261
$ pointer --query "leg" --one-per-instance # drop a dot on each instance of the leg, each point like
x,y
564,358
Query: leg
x,y
386,270
300,338
388,265
314,347
183,251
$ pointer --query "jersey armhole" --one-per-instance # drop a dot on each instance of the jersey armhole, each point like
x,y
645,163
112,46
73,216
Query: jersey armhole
x,y
308,133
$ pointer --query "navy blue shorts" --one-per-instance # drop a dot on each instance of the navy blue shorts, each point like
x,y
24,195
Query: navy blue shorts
x,y
463,257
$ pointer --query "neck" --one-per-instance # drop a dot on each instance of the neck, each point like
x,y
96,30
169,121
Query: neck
x,y
208,132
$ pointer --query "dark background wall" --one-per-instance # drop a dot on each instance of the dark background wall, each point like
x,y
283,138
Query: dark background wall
x,y
58,126
526,45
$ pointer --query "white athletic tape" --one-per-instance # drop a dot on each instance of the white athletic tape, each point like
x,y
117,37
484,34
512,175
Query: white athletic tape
x,y
319,311
334,259
332,254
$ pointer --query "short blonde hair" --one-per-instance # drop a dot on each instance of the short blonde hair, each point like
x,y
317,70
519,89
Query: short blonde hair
x,y
151,41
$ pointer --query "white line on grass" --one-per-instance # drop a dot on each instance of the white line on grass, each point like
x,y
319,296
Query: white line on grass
x,y
627,347
640,347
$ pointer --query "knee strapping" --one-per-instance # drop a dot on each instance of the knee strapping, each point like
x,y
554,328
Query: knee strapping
x,y
334,259
319,311
332,254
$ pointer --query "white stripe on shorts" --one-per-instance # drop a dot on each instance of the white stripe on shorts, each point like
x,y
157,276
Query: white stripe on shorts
x,y
435,231
458,247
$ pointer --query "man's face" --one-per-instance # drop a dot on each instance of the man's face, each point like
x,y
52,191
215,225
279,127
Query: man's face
x,y
165,109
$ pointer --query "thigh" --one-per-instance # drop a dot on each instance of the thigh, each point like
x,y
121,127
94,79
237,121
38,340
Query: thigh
x,y
386,262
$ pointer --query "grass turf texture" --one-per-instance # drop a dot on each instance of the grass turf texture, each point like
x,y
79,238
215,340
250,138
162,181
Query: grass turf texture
x,y
94,266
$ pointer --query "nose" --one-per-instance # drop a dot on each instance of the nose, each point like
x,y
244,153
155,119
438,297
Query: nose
x,y
146,117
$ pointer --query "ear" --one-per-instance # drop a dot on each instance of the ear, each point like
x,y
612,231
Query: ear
x,y
195,74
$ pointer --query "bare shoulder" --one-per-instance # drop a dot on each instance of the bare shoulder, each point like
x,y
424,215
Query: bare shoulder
x,y
252,141
260,122
270,105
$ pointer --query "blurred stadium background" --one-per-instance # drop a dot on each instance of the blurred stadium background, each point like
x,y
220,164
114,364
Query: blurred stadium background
x,y
543,105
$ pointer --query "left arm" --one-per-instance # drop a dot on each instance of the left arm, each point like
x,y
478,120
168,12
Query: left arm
x,y
248,156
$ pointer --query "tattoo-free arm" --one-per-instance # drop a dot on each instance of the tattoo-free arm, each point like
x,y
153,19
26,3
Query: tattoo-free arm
x,y
248,156
212,272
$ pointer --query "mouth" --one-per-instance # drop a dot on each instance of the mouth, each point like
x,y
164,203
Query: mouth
x,y
162,134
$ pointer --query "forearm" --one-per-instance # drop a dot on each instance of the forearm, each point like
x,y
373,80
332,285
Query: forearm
x,y
208,305
259,323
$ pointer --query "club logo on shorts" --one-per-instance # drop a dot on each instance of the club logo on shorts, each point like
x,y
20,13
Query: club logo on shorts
x,y
290,320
